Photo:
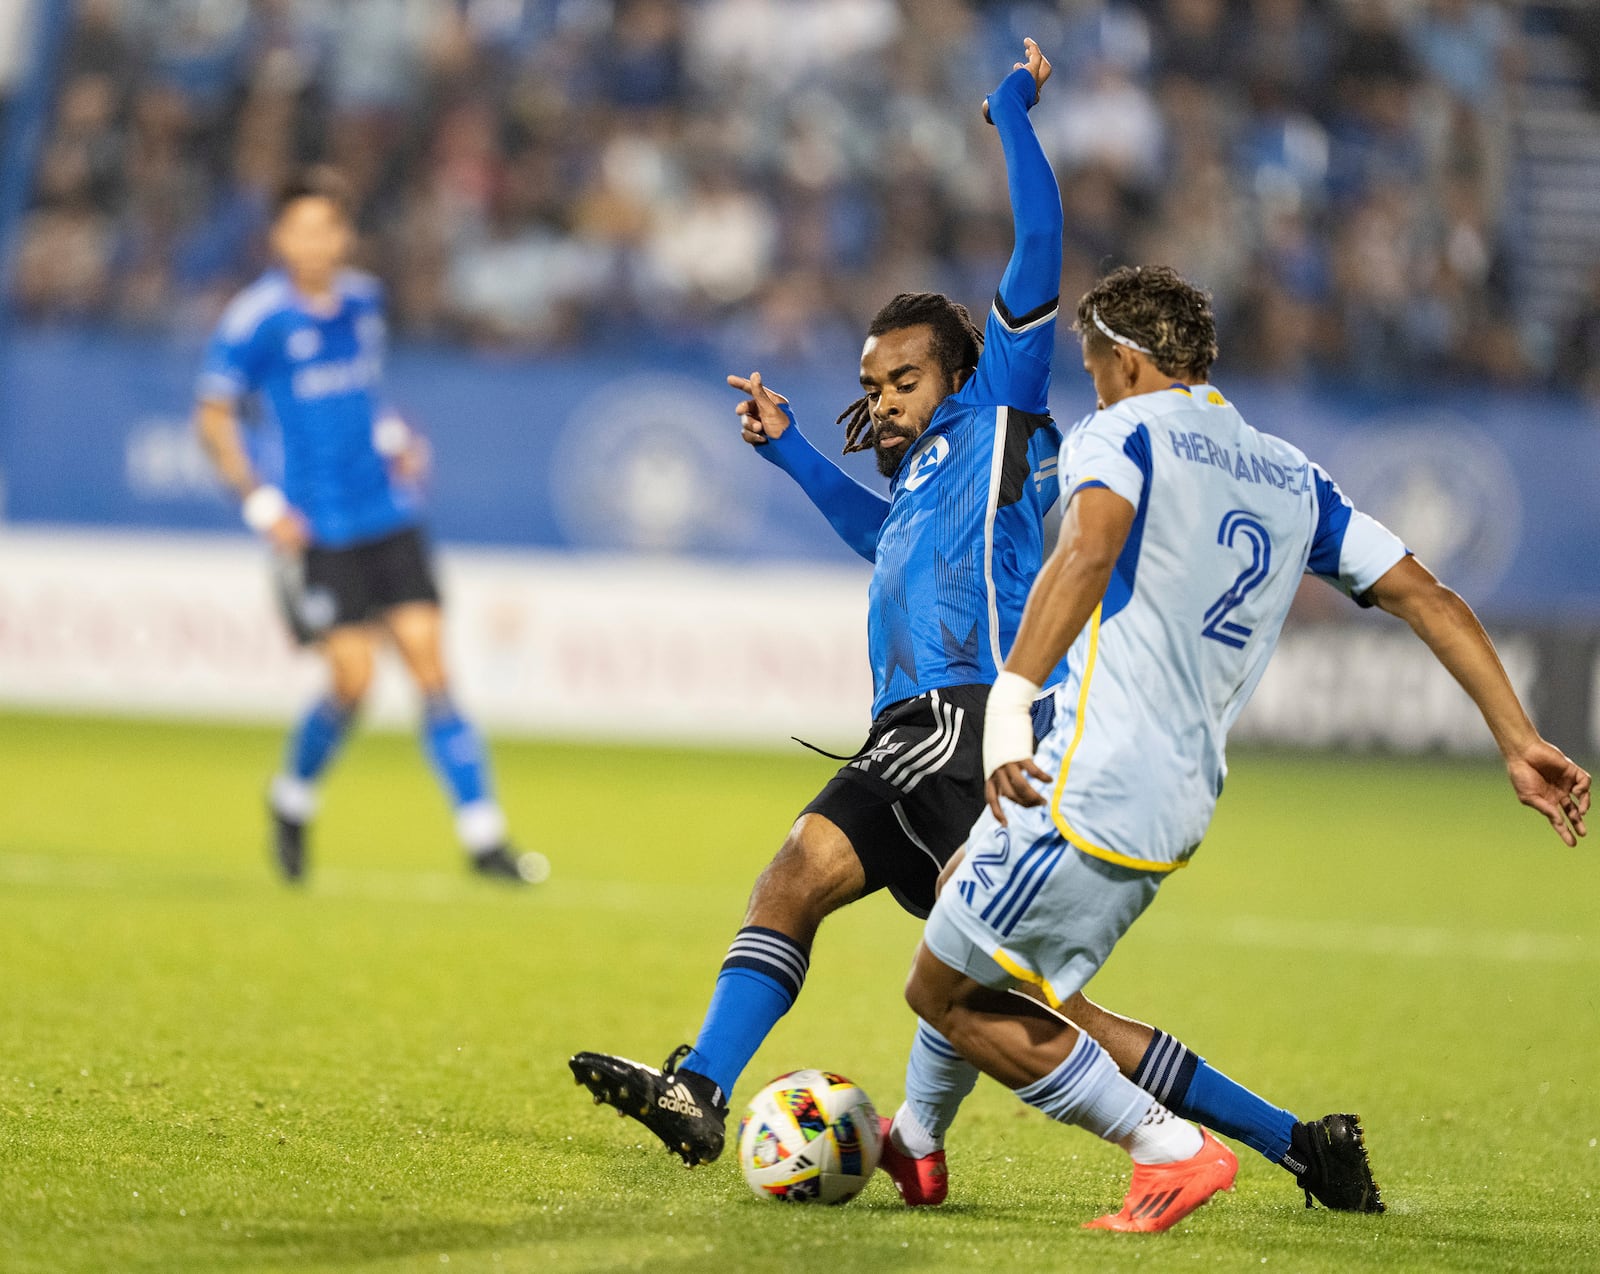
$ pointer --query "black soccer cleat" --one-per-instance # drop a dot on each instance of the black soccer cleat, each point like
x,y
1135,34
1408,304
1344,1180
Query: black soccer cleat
x,y
288,847
684,1109
504,863
1328,1157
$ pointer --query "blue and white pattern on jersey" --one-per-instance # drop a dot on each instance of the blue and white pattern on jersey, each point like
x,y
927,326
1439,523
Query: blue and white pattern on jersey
x,y
1226,521
318,375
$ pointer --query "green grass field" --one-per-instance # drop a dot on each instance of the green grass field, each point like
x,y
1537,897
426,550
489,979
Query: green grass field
x,y
200,1070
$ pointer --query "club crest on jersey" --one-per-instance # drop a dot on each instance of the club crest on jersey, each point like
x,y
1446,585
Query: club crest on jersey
x,y
304,343
925,460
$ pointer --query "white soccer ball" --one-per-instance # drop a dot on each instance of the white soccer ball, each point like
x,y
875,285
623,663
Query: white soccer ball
x,y
809,1137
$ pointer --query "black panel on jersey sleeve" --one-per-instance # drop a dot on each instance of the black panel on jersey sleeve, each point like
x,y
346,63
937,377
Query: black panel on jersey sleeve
x,y
1015,466
1018,321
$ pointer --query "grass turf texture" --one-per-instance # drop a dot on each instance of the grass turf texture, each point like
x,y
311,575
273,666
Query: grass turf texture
x,y
200,1069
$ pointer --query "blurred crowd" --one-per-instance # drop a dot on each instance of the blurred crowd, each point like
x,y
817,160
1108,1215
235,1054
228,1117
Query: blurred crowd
x,y
762,174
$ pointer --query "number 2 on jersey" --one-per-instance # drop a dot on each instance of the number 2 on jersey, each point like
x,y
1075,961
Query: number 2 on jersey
x,y
1238,525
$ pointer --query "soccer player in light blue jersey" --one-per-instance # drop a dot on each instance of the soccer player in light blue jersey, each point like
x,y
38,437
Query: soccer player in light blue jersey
x,y
305,345
960,427
1185,536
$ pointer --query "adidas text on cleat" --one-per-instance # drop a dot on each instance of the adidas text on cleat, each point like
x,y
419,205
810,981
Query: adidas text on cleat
x,y
684,1109
1163,1194
288,847
1328,1157
922,1183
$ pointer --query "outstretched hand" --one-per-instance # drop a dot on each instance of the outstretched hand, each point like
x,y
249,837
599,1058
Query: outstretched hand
x,y
761,416
1035,63
1546,779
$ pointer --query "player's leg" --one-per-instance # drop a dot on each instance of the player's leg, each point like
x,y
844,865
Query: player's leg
x,y
850,841
453,745
1024,906
1058,1069
348,651
326,596
684,1103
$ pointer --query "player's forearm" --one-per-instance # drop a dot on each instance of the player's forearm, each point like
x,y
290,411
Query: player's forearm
x,y
1033,275
1452,632
1060,603
218,429
854,512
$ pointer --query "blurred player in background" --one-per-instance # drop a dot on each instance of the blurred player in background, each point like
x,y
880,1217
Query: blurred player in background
x,y
306,341
959,423
1184,539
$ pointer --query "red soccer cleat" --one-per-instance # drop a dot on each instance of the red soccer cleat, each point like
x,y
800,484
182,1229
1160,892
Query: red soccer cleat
x,y
923,1182
1162,1194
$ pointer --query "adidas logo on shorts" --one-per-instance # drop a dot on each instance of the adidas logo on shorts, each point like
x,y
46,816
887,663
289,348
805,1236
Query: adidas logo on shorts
x,y
680,1101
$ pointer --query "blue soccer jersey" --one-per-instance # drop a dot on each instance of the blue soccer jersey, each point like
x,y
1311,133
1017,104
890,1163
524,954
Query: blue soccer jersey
x,y
318,375
956,545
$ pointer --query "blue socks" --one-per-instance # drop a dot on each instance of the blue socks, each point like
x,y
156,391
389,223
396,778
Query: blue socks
x,y
317,738
761,977
311,747
1182,1082
456,751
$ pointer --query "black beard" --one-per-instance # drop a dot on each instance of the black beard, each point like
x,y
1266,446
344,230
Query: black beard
x,y
889,459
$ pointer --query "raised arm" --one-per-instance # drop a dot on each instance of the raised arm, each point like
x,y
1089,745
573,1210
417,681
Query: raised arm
x,y
1542,776
855,512
1019,336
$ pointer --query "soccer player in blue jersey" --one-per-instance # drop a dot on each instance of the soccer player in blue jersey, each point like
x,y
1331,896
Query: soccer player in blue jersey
x,y
960,426
1184,539
305,344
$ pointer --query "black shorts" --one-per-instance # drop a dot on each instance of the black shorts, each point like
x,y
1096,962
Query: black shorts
x,y
329,588
909,798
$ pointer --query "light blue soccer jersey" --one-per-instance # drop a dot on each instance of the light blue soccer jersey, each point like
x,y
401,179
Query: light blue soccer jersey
x,y
1227,519
318,375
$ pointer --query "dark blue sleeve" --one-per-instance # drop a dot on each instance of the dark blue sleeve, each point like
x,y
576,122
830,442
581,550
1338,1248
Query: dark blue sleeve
x,y
852,510
1020,334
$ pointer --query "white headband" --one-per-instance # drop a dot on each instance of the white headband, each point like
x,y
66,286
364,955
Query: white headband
x,y
1111,336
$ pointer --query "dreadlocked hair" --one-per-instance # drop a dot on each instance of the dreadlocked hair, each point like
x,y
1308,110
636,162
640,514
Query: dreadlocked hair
x,y
1151,304
957,343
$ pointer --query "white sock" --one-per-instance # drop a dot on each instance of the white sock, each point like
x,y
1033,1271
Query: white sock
x,y
292,798
1161,1137
1087,1090
480,826
938,1080
910,1137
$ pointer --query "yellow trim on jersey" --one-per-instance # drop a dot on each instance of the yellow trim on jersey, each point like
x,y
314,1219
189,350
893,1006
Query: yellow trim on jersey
x,y
1181,389
1025,975
1066,829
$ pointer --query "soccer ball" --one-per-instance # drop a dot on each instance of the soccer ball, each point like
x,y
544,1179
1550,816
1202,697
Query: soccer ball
x,y
809,1137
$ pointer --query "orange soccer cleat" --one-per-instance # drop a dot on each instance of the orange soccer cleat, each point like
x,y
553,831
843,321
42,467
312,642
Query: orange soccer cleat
x,y
1162,1194
923,1182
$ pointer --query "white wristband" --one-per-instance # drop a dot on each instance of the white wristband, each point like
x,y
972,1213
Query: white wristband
x,y
263,508
390,436
1008,721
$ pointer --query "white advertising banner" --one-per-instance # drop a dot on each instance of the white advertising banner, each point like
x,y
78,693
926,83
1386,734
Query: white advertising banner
x,y
618,648
606,647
